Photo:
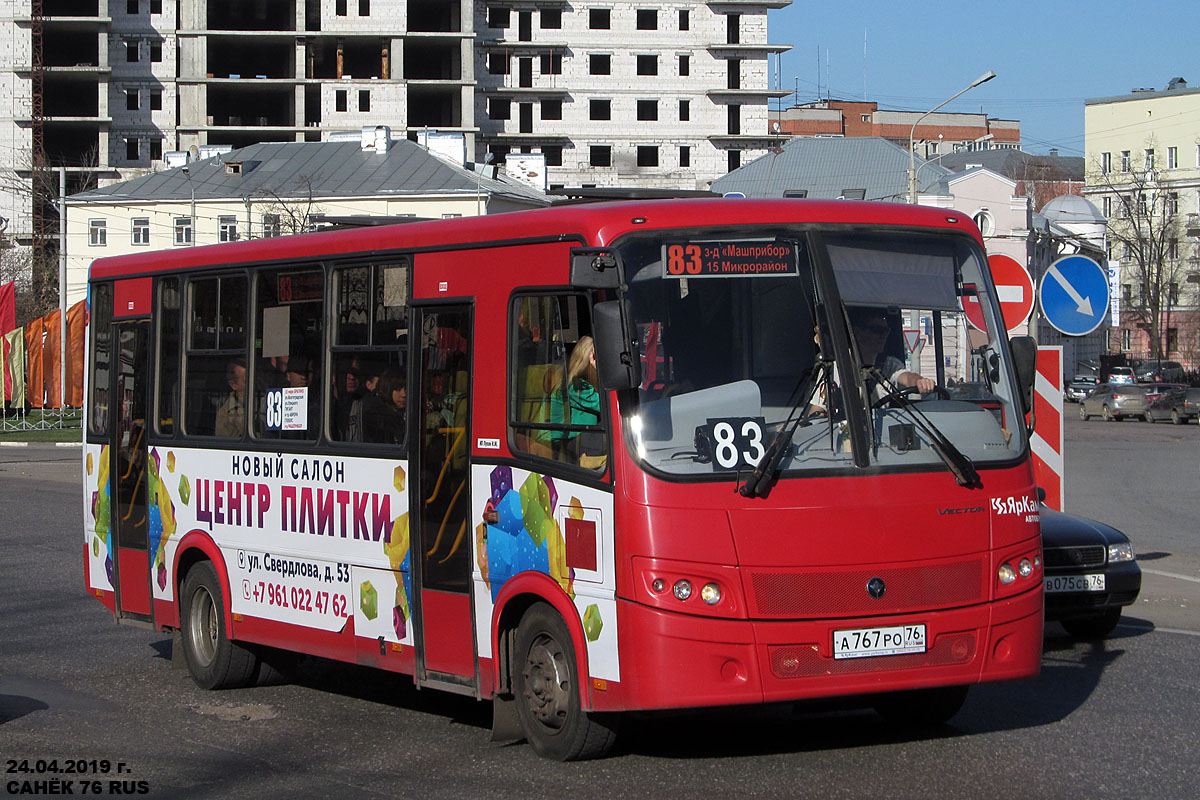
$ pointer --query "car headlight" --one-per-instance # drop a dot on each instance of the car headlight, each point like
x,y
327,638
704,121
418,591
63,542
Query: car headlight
x,y
1120,552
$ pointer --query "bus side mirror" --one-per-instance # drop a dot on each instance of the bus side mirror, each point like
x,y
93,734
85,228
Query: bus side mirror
x,y
593,268
618,362
1024,350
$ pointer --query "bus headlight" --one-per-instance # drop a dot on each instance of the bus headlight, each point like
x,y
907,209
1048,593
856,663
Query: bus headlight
x,y
1025,567
1007,574
711,594
682,589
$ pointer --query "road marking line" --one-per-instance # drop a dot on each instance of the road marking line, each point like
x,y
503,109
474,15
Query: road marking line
x,y
14,444
1171,575
1158,630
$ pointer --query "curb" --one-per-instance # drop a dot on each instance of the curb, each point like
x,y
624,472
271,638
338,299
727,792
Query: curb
x,y
14,444
68,444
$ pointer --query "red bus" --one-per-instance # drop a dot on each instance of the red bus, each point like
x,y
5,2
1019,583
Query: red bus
x,y
576,461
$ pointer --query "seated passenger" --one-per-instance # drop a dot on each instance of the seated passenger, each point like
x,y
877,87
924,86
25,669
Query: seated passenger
x,y
581,406
231,416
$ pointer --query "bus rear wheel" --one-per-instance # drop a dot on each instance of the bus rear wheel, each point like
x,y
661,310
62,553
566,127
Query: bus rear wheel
x,y
547,689
921,707
214,660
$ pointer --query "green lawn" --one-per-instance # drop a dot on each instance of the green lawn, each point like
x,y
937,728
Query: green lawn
x,y
16,428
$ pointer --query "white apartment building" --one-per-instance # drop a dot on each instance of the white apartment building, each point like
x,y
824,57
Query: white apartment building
x,y
626,92
613,92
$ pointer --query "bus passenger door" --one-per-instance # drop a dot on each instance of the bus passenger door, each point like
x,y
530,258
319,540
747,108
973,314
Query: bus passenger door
x,y
445,637
130,511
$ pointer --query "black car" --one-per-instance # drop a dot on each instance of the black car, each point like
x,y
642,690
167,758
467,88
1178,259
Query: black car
x,y
1178,405
1090,571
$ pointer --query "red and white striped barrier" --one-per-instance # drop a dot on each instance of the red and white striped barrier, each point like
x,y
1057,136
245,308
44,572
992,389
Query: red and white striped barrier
x,y
1047,440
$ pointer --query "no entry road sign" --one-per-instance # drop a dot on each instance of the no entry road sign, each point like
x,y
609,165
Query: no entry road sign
x,y
1014,290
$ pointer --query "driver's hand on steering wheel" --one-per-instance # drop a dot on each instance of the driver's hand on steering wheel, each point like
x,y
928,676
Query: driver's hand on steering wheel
x,y
925,385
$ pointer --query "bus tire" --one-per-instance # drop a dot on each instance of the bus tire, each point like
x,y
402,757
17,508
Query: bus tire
x,y
921,707
546,685
214,660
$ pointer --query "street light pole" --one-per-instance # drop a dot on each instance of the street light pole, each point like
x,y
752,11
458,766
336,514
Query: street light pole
x,y
912,156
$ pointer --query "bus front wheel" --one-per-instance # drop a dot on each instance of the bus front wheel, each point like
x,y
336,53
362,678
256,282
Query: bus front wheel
x,y
546,684
214,660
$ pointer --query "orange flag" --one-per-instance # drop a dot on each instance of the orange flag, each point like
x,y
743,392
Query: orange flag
x,y
52,360
76,327
34,387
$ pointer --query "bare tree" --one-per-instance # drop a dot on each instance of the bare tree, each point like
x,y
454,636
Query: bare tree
x,y
1146,232
292,207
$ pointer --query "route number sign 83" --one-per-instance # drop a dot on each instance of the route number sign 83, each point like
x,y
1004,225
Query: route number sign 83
x,y
737,442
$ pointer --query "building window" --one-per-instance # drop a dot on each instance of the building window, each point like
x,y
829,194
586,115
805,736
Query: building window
x,y
600,155
983,220
647,19
131,100
553,155
647,65
1172,158
733,32
647,155
685,156
734,160
155,6
497,63
552,63
685,110
1107,207
271,226
552,109
156,148
600,109
364,8
131,51
364,100
141,231
156,52
499,108
1124,161
97,232
1124,208
1126,294
1105,163
156,99
339,7
183,230
1142,208
1173,254
551,19
795,193
131,6
685,66
733,76
734,115
1172,340
131,149
1126,339
339,100
599,64
647,110
855,194
497,17
1149,158
1172,204
685,21
599,19
227,228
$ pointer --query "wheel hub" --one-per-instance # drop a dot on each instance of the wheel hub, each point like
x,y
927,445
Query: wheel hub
x,y
547,683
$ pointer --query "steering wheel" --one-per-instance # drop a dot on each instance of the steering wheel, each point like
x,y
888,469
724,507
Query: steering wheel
x,y
892,398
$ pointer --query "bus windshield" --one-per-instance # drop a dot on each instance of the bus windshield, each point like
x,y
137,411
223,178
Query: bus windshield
x,y
871,349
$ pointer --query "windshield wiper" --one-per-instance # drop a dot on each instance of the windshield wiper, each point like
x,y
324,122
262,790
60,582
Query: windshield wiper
x,y
962,467
768,467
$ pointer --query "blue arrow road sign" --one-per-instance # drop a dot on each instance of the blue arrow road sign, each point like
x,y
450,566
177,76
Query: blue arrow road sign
x,y
1074,295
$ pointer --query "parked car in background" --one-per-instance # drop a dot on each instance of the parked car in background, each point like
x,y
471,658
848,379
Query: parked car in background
x,y
1080,387
1091,573
1157,390
1121,375
1178,405
1114,402
1159,371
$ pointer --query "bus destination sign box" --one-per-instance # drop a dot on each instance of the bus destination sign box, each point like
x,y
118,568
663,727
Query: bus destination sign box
x,y
739,259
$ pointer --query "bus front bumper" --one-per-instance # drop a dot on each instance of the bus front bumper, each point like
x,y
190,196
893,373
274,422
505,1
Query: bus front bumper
x,y
673,660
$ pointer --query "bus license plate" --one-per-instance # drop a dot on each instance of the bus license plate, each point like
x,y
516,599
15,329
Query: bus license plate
x,y
1075,583
868,642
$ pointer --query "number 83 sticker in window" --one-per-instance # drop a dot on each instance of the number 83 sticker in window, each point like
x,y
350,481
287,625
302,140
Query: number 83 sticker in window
x,y
731,443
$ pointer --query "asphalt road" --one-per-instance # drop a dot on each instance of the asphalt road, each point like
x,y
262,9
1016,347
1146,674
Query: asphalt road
x,y
1111,719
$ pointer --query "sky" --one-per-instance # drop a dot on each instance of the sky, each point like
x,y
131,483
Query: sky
x,y
1048,56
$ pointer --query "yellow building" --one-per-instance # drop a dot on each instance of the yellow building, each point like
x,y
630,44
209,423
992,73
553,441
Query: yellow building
x,y
1143,171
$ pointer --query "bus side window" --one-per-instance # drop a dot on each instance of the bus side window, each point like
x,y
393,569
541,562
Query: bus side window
x,y
555,409
368,393
101,352
216,346
168,354
289,309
